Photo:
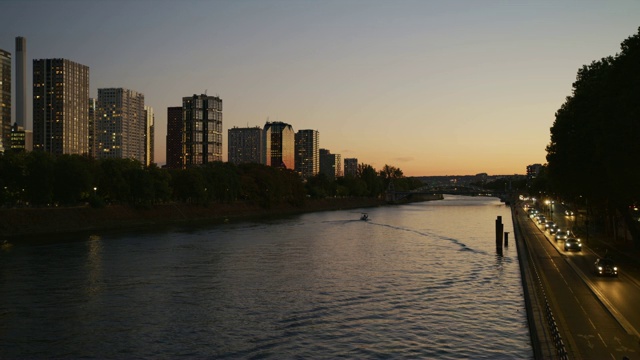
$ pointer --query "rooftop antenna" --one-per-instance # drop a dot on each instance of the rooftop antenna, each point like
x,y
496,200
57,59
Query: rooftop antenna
x,y
205,91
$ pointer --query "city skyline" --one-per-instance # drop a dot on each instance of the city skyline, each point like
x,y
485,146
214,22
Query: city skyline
x,y
431,88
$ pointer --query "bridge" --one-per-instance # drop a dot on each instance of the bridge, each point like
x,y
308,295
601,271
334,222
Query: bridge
x,y
434,192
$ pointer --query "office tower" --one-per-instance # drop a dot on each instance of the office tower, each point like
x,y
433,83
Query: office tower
x,y
307,152
120,124
60,111
246,145
149,134
350,167
279,141
330,164
21,82
174,137
21,139
5,100
92,127
202,130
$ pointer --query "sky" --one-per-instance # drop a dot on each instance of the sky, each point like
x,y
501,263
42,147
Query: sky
x,y
431,87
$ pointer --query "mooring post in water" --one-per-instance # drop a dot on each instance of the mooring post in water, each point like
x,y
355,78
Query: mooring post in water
x,y
499,228
506,239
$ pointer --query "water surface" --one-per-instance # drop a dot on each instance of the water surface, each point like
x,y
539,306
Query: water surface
x,y
416,281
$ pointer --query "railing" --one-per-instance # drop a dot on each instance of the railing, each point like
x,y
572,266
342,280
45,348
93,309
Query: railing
x,y
552,325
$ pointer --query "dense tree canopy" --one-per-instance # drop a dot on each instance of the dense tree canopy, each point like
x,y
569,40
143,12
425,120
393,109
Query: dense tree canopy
x,y
595,147
40,179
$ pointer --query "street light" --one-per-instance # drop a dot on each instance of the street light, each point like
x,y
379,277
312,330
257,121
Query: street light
x,y
547,202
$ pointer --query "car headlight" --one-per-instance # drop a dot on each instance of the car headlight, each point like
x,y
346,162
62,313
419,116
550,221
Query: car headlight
x,y
615,268
600,268
579,245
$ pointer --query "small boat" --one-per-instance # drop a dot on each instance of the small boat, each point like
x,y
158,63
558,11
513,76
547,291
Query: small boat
x,y
364,217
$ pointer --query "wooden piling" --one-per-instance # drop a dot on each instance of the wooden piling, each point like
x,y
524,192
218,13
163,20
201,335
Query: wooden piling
x,y
499,228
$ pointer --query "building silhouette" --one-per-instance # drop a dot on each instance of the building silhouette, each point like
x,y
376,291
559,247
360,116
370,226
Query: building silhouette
x,y
350,167
149,134
533,170
279,140
92,127
21,139
120,125
5,100
60,111
307,153
201,130
245,145
21,82
174,138
330,164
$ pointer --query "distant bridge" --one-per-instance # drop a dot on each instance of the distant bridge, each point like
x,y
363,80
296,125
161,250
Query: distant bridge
x,y
435,190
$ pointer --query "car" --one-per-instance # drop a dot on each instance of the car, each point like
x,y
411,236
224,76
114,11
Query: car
x,y
568,212
562,235
605,266
541,220
549,225
572,244
552,230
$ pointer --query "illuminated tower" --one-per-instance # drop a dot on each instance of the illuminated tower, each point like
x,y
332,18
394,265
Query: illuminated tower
x,y
201,130
120,124
279,144
307,154
350,167
245,145
60,110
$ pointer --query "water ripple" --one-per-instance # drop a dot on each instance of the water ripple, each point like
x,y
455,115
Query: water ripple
x,y
321,286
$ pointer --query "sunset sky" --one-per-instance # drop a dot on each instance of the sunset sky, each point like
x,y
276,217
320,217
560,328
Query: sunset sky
x,y
430,87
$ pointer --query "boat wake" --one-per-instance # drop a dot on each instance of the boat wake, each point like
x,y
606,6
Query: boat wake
x,y
462,245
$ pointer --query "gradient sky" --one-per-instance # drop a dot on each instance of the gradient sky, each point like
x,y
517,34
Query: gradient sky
x,y
430,87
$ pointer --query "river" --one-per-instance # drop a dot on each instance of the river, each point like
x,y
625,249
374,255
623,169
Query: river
x,y
419,280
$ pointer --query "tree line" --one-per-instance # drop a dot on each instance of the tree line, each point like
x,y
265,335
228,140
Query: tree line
x,y
40,179
592,158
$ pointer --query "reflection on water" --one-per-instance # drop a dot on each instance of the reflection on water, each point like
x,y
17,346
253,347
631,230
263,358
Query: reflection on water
x,y
415,281
94,265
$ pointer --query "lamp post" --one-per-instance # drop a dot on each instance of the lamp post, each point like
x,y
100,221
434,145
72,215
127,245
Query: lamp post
x,y
547,202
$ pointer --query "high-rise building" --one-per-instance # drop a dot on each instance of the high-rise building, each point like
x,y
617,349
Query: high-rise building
x,y
246,145
149,132
350,167
330,164
307,152
5,100
279,141
21,82
60,111
120,124
21,139
202,130
174,137
92,127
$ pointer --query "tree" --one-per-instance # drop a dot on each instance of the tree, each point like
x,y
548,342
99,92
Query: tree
x,y
594,143
370,177
39,172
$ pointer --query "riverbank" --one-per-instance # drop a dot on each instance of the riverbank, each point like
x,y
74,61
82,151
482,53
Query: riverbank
x,y
29,222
